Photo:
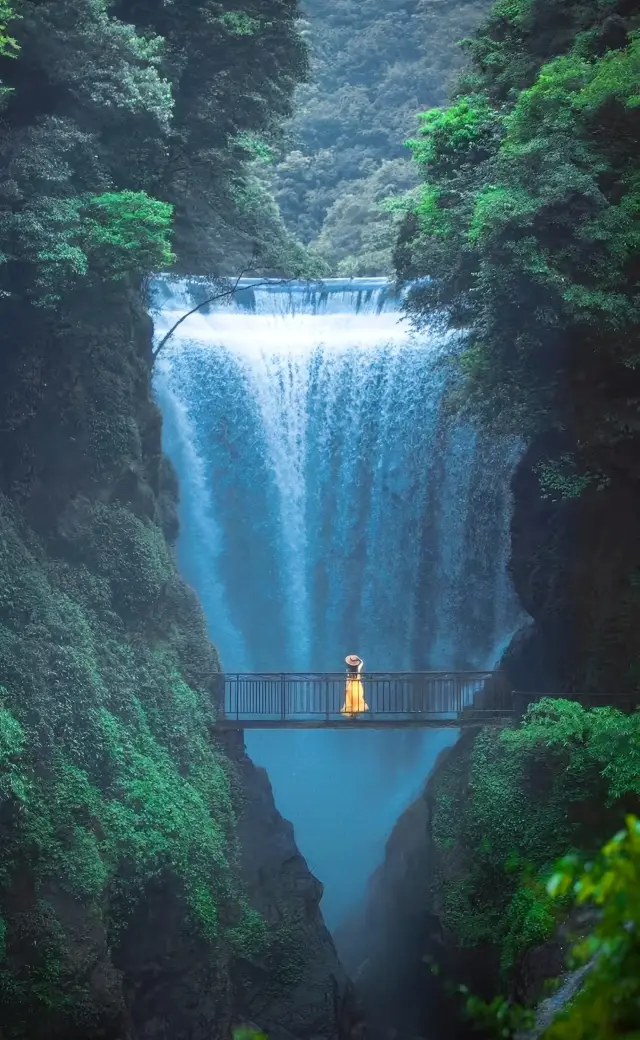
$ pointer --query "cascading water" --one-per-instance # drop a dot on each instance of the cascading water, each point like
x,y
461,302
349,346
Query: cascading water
x,y
330,505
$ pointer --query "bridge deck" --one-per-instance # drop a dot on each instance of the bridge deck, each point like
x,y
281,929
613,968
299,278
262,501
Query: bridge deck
x,y
395,700
424,721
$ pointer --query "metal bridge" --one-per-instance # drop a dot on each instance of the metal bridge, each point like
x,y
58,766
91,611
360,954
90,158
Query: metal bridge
x,y
297,700
301,700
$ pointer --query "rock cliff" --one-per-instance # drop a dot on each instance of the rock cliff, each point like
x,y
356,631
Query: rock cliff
x,y
574,564
462,888
388,946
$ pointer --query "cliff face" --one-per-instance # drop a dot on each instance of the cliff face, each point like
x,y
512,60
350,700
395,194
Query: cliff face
x,y
299,988
575,563
148,886
401,932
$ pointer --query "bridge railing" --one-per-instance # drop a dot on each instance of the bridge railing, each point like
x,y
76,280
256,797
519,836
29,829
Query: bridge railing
x,y
313,695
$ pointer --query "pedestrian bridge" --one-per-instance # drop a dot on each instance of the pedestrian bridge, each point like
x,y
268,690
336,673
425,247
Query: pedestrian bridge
x,y
296,700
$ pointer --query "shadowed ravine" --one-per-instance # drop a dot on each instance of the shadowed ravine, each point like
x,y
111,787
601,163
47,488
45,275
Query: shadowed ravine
x,y
330,505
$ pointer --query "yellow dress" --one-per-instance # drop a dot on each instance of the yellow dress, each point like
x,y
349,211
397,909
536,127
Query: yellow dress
x,y
354,702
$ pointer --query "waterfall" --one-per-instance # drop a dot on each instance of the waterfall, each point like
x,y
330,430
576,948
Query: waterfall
x,y
331,505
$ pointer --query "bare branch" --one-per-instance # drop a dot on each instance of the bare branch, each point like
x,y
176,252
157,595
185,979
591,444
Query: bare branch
x,y
212,299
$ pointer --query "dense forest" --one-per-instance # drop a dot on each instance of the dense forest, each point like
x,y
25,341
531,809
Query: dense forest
x,y
525,236
117,130
374,66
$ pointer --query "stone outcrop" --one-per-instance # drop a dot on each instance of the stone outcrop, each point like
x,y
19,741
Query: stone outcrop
x,y
173,986
387,944
399,935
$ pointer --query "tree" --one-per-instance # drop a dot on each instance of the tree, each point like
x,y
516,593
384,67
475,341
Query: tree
x,y
8,45
130,134
375,65
360,228
608,1002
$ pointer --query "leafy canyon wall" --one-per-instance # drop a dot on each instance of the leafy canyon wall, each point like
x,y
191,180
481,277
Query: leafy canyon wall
x,y
148,887
148,883
525,233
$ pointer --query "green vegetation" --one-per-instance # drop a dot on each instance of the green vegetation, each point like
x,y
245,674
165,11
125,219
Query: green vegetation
x,y
528,223
287,955
72,242
132,136
559,478
126,135
523,798
360,227
248,1034
524,234
8,45
107,768
607,1002
374,66
129,233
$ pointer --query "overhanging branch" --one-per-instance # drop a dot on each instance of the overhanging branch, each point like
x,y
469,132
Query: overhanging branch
x,y
211,299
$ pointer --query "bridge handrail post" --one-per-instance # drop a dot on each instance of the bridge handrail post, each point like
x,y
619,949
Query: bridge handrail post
x,y
283,706
218,692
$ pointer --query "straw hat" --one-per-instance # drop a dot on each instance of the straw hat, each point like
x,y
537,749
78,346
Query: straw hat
x,y
353,660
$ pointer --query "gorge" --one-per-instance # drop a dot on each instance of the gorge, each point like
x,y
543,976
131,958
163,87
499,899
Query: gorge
x,y
437,468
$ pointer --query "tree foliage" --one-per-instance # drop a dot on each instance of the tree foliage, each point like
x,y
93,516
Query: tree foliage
x,y
360,227
519,806
8,45
109,779
126,124
528,223
374,66
607,1002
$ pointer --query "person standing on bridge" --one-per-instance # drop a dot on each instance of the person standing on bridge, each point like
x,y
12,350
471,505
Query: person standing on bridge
x,y
354,702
